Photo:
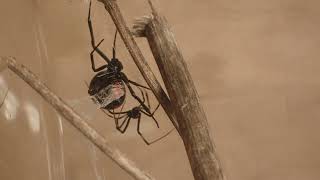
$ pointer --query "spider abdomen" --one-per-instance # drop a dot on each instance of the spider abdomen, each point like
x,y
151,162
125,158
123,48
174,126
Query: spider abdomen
x,y
106,91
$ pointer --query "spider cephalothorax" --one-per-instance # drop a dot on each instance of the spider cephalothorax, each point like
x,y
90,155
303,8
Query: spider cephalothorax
x,y
115,65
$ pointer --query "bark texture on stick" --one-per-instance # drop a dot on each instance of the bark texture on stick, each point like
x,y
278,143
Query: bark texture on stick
x,y
190,115
113,9
75,119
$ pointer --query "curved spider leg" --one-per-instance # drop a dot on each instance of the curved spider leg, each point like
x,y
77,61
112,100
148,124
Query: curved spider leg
x,y
153,141
161,137
119,115
92,59
155,109
114,45
116,119
151,115
152,112
138,131
125,119
138,99
124,112
143,98
127,125
149,104
106,113
124,102
92,38
148,101
145,95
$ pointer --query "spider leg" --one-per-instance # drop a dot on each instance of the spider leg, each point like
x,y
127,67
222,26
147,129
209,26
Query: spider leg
x,y
142,94
121,125
138,85
155,140
112,116
163,136
148,101
122,107
151,115
138,99
119,115
133,94
155,109
116,120
114,45
126,127
113,113
124,112
92,38
138,130
106,113
149,104
92,59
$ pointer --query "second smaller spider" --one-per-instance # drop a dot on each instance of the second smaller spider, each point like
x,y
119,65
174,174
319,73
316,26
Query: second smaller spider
x,y
135,113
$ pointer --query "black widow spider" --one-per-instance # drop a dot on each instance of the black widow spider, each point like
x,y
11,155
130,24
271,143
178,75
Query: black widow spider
x,y
135,113
110,80
107,89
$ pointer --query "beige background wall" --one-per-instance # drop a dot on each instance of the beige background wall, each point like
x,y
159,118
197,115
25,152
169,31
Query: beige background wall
x,y
255,63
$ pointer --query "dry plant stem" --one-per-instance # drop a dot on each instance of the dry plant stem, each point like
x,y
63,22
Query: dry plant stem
x,y
74,118
194,129
114,11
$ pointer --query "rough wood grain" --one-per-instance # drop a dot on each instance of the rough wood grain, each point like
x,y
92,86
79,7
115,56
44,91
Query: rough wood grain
x,y
75,119
112,7
190,115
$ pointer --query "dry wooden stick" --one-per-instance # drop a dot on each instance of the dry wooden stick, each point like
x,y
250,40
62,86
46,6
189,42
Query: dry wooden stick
x,y
112,7
75,119
190,115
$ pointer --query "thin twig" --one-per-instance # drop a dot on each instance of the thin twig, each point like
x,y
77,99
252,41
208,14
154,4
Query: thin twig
x,y
194,129
75,119
112,7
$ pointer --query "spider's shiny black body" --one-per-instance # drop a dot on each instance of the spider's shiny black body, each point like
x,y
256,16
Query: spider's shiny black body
x,y
110,79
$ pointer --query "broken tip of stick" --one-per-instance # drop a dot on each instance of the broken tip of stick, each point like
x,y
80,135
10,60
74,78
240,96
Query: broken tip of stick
x,y
4,63
140,24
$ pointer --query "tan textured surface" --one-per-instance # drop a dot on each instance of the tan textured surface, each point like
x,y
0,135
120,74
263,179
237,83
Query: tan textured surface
x,y
255,64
